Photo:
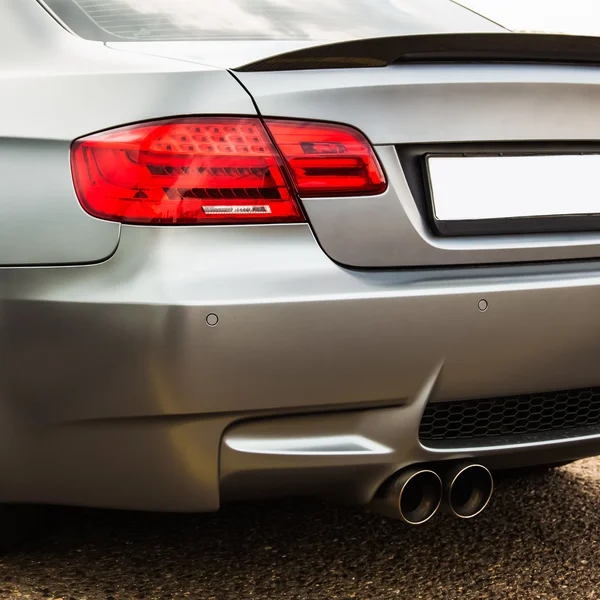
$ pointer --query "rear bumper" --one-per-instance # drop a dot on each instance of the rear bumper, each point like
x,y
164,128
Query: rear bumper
x,y
347,455
115,392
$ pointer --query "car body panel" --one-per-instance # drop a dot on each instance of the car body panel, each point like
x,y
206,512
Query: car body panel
x,y
392,230
221,54
62,88
173,368
111,371
416,105
411,104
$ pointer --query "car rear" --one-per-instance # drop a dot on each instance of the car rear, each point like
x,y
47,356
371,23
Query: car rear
x,y
221,283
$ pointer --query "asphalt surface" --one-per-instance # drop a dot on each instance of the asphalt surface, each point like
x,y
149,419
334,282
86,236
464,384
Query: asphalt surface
x,y
539,538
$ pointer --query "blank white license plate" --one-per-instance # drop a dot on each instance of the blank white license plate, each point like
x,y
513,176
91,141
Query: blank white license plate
x,y
466,188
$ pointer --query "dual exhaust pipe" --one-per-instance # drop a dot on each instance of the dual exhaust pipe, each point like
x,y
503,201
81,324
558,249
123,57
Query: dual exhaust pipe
x,y
415,495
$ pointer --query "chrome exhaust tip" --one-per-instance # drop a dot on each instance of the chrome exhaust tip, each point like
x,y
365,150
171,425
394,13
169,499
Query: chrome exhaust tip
x,y
468,489
412,495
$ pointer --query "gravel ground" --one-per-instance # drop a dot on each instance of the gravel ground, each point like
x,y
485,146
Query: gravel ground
x,y
539,538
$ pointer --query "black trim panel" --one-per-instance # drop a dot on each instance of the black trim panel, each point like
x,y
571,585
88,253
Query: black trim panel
x,y
435,48
413,160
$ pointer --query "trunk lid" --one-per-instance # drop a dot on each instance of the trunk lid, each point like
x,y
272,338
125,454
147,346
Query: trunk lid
x,y
476,94
468,93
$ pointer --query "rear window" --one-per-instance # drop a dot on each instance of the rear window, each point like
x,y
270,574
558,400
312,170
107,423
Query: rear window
x,y
171,20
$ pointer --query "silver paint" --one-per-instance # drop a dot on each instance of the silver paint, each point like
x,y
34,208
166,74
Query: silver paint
x,y
388,231
406,104
59,87
114,391
112,385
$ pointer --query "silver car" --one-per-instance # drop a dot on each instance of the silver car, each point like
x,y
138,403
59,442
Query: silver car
x,y
261,248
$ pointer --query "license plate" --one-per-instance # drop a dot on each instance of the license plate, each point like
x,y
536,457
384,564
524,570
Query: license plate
x,y
476,188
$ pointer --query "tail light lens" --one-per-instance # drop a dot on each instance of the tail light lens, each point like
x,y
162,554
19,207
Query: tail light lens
x,y
328,159
219,170
193,170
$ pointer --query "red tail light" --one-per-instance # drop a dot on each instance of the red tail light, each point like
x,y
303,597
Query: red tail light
x,y
328,160
192,170
218,170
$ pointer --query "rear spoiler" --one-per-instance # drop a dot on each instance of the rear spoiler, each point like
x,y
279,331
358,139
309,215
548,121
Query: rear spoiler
x,y
436,48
